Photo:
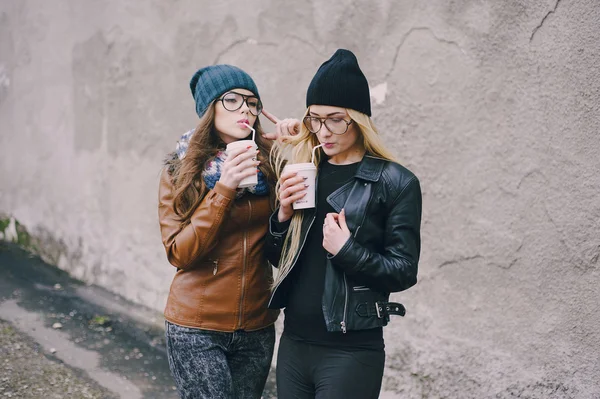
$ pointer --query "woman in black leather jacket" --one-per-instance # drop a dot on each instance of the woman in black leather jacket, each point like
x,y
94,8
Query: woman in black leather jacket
x,y
338,262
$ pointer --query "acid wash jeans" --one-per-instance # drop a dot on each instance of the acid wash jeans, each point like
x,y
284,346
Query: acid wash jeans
x,y
219,365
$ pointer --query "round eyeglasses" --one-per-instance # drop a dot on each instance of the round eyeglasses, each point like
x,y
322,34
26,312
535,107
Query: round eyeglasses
x,y
233,101
334,125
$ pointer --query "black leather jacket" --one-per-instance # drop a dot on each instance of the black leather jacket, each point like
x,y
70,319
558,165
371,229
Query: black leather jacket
x,y
383,212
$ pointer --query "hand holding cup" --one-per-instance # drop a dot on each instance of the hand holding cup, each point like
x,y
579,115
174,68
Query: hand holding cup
x,y
292,187
241,164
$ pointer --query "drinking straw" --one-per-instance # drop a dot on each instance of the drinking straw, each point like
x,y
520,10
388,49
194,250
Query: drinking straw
x,y
253,131
313,153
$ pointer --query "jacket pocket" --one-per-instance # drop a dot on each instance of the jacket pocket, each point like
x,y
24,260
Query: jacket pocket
x,y
216,266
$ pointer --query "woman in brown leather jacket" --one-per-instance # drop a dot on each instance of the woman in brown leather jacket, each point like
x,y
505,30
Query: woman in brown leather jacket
x,y
219,332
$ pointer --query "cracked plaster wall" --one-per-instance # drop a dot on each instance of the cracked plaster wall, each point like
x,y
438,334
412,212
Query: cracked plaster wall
x,y
494,105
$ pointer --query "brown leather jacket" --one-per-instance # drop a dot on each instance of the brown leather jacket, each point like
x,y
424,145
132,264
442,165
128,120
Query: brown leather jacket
x,y
223,279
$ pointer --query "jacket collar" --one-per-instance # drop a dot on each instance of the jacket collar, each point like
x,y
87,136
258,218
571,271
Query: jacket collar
x,y
370,168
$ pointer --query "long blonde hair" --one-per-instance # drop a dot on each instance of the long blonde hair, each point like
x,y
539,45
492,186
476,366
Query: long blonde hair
x,y
299,149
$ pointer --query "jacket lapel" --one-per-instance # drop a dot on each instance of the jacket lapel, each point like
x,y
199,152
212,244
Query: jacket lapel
x,y
354,196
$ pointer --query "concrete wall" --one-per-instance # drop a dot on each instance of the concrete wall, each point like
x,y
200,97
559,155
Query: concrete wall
x,y
493,104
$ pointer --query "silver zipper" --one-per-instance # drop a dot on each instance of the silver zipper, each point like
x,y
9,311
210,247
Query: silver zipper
x,y
343,323
216,262
244,263
295,260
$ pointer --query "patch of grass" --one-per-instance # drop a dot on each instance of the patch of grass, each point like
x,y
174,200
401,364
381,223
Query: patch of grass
x,y
23,239
7,331
4,222
100,320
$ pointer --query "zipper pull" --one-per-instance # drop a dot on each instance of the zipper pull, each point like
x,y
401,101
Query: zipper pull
x,y
216,262
343,324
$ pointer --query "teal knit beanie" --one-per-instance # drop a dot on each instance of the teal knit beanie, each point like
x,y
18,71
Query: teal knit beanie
x,y
210,82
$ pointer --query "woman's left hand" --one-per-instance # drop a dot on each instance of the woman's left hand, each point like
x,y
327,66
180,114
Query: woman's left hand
x,y
335,232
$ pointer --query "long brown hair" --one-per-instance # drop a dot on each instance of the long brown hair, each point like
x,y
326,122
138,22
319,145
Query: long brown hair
x,y
203,146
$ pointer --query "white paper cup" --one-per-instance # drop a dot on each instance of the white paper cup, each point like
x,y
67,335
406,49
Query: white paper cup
x,y
308,170
250,180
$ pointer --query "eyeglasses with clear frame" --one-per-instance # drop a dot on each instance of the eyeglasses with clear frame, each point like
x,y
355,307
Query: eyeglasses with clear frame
x,y
334,125
232,101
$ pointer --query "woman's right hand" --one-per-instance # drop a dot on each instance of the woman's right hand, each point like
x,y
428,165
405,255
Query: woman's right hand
x,y
291,188
283,128
240,163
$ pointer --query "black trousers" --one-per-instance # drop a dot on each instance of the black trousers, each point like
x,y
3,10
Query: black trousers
x,y
313,371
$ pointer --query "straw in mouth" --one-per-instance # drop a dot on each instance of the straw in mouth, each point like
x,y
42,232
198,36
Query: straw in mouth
x,y
313,153
253,131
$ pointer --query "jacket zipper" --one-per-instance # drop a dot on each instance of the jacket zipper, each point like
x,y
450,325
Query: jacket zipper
x,y
244,263
216,262
295,260
343,322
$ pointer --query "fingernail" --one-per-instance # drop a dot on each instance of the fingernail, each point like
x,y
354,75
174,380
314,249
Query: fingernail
x,y
248,147
306,185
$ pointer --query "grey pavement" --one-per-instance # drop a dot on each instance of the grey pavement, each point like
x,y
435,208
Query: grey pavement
x,y
60,338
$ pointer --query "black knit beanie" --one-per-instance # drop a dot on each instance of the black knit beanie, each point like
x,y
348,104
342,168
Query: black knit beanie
x,y
340,82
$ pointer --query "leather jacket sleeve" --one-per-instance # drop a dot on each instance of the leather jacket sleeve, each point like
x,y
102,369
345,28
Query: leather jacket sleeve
x,y
275,238
185,244
395,269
